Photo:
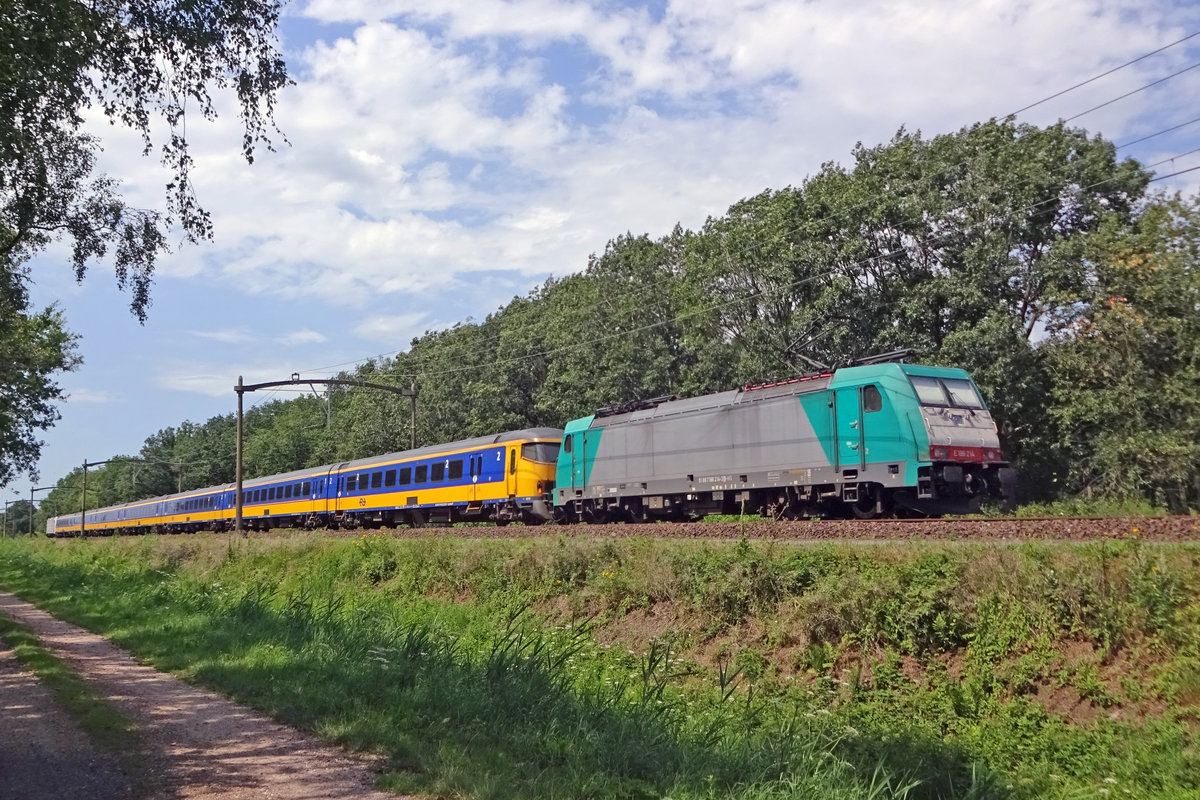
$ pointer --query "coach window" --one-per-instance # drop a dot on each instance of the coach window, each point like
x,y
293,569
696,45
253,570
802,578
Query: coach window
x,y
422,474
271,493
389,478
349,484
376,480
287,492
406,476
456,469
307,488
872,400
364,480
439,472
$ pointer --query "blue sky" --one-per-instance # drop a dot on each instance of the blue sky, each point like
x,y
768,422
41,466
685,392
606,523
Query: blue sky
x,y
442,162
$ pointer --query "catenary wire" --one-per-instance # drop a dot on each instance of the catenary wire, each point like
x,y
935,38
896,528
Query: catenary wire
x,y
1103,74
1135,91
1158,133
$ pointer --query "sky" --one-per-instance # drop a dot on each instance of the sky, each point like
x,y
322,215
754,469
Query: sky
x,y
440,162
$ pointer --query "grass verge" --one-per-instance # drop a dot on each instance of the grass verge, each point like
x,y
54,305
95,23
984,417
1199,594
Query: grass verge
x,y
637,668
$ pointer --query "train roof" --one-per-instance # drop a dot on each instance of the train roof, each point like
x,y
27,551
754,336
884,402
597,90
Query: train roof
x,y
658,408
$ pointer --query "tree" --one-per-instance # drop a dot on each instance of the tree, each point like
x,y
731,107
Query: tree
x,y
34,348
16,520
1126,364
137,62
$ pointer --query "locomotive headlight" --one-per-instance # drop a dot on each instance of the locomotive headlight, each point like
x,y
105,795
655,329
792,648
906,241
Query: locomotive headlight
x,y
992,454
939,451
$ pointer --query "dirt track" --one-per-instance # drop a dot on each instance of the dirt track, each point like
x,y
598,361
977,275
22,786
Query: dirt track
x,y
200,745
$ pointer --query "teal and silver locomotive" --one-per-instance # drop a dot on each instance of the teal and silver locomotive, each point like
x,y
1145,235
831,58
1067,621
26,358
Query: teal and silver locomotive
x,y
865,441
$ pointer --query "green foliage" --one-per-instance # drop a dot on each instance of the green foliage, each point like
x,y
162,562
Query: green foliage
x,y
34,348
1126,395
928,671
137,62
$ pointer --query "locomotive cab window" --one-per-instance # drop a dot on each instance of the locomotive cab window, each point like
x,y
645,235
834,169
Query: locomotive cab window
x,y
962,393
955,392
512,462
542,452
567,443
376,480
872,400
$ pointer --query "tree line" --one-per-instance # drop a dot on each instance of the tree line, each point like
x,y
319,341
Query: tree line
x,y
1033,257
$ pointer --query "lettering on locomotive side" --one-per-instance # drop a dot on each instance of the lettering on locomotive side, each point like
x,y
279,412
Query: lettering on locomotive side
x,y
715,479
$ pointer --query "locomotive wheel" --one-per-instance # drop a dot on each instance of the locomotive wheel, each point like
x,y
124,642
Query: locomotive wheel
x,y
866,507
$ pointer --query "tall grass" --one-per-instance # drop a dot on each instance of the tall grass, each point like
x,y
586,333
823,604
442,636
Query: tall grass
x,y
478,669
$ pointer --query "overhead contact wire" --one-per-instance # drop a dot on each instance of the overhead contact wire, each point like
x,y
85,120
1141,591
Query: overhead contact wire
x,y
1104,74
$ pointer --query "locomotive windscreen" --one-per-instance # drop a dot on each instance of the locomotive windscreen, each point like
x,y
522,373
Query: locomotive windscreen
x,y
545,452
956,392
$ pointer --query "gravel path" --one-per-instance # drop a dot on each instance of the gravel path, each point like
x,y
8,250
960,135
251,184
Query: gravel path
x,y
202,745
43,753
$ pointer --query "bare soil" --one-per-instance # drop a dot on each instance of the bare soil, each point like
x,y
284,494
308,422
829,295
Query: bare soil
x,y
198,744
43,753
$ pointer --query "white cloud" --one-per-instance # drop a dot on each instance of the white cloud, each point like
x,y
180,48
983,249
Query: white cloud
x,y
392,332
226,335
422,155
304,336
87,396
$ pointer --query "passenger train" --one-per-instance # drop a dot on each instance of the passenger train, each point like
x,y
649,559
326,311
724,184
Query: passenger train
x,y
862,441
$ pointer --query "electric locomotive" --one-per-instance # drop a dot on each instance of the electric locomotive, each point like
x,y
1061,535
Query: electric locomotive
x,y
863,441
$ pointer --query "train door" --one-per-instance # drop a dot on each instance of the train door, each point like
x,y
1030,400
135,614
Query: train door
x,y
510,471
472,491
577,446
850,448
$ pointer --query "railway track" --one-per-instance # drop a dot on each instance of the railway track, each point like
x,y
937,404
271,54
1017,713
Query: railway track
x,y
1156,529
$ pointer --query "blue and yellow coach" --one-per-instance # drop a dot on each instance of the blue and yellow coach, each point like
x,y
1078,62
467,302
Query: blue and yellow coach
x,y
501,478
